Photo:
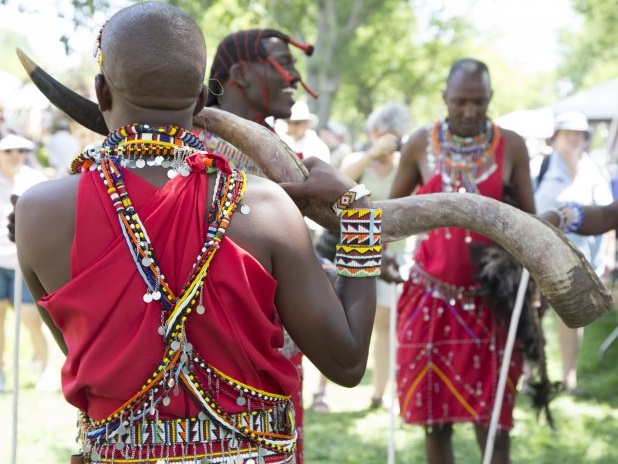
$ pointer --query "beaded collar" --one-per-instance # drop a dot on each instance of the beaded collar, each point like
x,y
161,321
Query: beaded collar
x,y
463,162
139,145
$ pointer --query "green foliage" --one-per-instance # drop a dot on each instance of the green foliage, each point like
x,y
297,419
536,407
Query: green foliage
x,y
590,54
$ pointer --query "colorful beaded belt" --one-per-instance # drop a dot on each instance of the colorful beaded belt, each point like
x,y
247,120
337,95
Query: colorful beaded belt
x,y
452,294
198,440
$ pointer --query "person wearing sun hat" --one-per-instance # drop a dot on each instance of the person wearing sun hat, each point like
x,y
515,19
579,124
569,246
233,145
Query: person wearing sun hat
x,y
572,176
301,136
15,178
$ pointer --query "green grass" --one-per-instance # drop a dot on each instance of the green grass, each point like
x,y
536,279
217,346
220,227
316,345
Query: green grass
x,y
587,430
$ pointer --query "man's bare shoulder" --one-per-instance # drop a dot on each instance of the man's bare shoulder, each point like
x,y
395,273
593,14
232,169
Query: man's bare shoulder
x,y
420,137
49,193
511,137
48,206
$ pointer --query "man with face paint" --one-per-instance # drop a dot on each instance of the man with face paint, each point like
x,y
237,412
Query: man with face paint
x,y
450,343
254,76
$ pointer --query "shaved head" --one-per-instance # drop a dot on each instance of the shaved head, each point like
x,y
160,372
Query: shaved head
x,y
154,56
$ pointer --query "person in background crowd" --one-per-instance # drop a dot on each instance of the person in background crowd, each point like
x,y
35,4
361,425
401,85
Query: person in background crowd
x,y
300,135
570,175
335,135
15,178
450,339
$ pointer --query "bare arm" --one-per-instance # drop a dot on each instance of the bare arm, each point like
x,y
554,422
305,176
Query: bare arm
x,y
332,327
516,150
408,175
355,164
43,258
597,219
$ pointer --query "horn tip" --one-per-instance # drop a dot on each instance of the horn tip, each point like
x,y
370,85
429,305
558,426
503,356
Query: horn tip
x,y
29,65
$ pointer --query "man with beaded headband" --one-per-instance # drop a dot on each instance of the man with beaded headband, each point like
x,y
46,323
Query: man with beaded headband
x,y
254,76
195,340
450,343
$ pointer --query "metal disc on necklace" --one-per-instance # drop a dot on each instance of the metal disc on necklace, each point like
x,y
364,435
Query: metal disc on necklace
x,y
238,459
161,330
119,446
200,309
165,163
244,208
202,416
146,261
184,170
150,161
94,456
175,345
171,173
147,297
156,295
166,401
241,401
140,163
184,357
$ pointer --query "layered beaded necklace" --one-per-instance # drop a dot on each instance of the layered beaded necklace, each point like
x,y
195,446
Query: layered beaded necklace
x,y
140,145
137,145
463,162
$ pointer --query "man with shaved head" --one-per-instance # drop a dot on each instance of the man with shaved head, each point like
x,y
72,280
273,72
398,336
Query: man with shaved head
x,y
167,276
451,339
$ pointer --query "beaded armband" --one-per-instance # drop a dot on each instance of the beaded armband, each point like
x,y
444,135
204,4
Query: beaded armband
x,y
359,254
571,217
355,193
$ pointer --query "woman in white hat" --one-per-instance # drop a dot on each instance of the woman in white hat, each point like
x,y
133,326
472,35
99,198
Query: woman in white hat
x,y
572,176
15,178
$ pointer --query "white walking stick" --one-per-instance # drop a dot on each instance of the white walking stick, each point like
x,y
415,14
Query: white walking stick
x,y
392,344
506,361
17,307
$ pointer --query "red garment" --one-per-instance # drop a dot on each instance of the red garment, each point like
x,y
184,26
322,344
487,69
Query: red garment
x,y
111,333
449,355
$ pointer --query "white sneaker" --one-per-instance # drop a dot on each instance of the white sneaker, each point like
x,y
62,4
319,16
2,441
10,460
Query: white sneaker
x,y
49,381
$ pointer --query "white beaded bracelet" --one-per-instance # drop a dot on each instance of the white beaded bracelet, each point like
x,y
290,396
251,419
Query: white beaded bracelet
x,y
355,193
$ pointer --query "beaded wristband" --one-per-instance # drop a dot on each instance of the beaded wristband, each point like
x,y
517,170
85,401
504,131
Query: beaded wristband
x,y
355,193
360,252
571,217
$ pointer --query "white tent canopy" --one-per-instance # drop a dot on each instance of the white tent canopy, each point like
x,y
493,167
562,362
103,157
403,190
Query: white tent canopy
x,y
529,123
597,103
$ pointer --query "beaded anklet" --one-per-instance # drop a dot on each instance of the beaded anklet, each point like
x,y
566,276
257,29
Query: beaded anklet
x,y
360,252
571,216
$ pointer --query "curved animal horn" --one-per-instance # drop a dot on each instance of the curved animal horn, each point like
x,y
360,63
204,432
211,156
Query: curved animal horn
x,y
79,108
563,273
565,277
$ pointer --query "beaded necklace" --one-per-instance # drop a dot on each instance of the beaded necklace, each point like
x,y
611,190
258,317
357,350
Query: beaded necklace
x,y
463,162
181,367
